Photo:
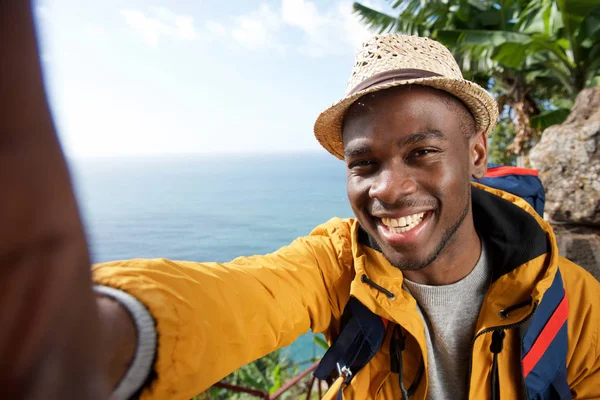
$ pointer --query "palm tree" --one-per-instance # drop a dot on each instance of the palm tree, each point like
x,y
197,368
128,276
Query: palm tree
x,y
535,55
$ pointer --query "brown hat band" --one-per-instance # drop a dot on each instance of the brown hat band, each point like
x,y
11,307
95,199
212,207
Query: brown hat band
x,y
394,75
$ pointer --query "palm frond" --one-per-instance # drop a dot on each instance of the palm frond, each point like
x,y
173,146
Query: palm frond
x,y
376,20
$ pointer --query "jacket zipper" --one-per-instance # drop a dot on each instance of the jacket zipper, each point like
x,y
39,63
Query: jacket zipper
x,y
488,330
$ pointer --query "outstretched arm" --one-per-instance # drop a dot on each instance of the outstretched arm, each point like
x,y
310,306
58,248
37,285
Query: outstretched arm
x,y
213,318
49,330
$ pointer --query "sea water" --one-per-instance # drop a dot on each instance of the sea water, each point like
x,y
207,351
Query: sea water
x,y
208,207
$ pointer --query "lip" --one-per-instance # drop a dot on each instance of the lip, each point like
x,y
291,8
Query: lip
x,y
406,238
403,214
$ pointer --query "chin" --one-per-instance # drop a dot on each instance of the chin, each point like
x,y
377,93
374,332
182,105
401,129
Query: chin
x,y
408,265
400,261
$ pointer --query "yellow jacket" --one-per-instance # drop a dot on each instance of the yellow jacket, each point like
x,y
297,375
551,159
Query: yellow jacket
x,y
214,318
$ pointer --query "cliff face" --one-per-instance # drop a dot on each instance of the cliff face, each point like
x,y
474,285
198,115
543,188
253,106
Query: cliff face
x,y
580,245
568,159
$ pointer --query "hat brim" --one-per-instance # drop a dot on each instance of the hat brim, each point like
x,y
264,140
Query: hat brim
x,y
483,107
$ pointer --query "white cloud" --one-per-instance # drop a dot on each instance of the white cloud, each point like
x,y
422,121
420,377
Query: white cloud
x,y
96,31
337,30
302,14
215,29
324,32
258,29
160,22
356,32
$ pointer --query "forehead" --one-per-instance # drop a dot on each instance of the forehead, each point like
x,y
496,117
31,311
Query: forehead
x,y
401,111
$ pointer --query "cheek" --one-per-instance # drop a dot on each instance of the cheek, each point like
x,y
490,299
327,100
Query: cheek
x,y
454,187
357,190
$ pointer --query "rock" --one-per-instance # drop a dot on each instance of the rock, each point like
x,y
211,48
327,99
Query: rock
x,y
568,160
580,245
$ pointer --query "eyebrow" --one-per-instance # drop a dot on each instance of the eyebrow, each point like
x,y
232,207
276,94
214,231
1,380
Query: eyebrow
x,y
406,141
420,137
356,150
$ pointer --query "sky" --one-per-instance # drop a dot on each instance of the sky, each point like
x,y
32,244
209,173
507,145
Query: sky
x,y
131,77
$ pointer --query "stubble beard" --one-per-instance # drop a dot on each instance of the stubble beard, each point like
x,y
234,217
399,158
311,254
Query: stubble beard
x,y
442,245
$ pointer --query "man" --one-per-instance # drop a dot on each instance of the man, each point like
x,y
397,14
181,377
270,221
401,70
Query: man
x,y
467,276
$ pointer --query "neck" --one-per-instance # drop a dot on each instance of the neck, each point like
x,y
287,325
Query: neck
x,y
456,260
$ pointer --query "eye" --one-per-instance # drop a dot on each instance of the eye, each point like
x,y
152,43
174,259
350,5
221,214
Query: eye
x,y
420,153
361,164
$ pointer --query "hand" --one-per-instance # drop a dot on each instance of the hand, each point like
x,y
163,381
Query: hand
x,y
49,331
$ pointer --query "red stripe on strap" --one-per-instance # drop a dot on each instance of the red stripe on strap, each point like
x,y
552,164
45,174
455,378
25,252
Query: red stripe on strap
x,y
385,322
546,337
503,171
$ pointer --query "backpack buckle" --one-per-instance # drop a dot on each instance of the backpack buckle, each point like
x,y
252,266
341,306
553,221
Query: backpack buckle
x,y
345,372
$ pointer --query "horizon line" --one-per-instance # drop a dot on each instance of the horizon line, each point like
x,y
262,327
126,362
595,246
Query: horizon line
x,y
194,154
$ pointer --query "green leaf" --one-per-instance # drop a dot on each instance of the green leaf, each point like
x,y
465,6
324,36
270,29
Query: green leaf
x,y
549,118
276,375
478,4
321,342
484,37
577,8
511,55
562,102
462,13
563,44
547,17
546,43
590,27
374,19
490,18
538,73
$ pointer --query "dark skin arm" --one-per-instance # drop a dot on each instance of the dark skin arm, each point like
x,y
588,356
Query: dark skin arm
x,y
57,339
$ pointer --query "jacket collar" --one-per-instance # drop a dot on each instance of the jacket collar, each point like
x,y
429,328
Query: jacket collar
x,y
521,245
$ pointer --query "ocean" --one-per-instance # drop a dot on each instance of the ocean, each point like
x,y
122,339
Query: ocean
x,y
208,207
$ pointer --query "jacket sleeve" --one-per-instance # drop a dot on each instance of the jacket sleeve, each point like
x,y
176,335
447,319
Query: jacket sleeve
x,y
214,318
583,359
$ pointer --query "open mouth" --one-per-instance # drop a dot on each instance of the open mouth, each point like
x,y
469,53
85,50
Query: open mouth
x,y
404,224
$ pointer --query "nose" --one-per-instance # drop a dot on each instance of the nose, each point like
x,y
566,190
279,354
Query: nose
x,y
392,184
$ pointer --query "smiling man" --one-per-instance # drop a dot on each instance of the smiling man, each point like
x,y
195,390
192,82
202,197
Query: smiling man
x,y
461,284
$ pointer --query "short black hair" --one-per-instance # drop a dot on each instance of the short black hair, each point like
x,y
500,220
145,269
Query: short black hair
x,y
454,104
466,119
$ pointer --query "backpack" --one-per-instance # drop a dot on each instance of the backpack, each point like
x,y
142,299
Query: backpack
x,y
544,372
522,182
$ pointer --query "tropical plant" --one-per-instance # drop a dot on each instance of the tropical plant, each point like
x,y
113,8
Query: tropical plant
x,y
267,374
534,55
499,141
321,342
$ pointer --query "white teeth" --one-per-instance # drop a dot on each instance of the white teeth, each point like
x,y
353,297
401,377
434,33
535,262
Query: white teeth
x,y
403,224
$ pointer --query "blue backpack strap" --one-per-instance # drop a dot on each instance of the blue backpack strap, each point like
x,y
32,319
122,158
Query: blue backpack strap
x,y
361,337
544,346
561,387
522,182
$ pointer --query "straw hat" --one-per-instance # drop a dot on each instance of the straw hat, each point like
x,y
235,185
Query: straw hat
x,y
391,60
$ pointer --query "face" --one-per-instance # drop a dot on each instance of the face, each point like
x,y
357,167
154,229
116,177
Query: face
x,y
409,163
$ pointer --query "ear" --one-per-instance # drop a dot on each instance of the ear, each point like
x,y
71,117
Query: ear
x,y
478,150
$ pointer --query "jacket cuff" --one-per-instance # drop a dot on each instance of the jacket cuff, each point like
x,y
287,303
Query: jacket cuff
x,y
141,366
